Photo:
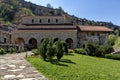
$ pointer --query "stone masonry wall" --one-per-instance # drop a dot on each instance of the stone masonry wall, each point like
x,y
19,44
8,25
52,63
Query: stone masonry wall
x,y
98,37
63,35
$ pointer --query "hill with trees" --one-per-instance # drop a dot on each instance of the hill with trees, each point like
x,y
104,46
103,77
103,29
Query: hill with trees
x,y
11,11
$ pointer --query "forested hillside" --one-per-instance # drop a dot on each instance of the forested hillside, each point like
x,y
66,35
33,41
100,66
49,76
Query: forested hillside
x,y
11,11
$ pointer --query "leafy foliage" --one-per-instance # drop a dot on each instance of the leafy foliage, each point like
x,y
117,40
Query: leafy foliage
x,y
43,48
50,50
11,50
2,51
80,51
35,51
111,39
93,49
70,51
113,56
117,43
60,48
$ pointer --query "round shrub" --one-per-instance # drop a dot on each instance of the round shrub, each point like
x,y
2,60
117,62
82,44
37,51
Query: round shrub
x,y
11,50
2,51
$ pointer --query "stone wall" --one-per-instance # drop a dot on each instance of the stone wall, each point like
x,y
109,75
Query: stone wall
x,y
95,37
4,37
39,35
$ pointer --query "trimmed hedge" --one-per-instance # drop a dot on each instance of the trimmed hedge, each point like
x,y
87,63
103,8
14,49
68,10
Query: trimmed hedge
x,y
80,51
113,56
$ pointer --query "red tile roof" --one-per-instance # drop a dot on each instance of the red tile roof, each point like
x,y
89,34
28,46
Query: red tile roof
x,y
95,28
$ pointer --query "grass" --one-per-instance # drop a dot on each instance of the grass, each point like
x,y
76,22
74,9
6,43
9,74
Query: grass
x,y
78,67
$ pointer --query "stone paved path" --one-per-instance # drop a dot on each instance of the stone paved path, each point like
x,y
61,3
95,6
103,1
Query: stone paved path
x,y
15,67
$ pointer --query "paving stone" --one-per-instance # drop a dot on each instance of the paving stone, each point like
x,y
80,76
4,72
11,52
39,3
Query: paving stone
x,y
28,79
3,68
9,77
12,66
2,61
14,70
20,76
22,67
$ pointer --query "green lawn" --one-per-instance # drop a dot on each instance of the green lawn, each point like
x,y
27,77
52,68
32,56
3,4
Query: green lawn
x,y
78,67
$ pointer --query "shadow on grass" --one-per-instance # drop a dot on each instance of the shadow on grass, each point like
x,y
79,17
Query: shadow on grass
x,y
67,61
56,62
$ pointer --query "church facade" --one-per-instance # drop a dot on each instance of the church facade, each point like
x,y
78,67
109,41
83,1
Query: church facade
x,y
34,29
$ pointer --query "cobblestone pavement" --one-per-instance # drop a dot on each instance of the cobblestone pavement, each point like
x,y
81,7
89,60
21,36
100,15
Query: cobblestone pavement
x,y
15,67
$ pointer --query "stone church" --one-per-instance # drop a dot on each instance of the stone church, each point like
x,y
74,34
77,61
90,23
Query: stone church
x,y
33,29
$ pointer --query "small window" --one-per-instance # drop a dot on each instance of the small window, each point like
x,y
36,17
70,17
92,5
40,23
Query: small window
x,y
40,21
4,40
32,20
48,20
56,20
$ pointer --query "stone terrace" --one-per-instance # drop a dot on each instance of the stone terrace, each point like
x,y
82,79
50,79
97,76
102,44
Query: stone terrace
x,y
15,67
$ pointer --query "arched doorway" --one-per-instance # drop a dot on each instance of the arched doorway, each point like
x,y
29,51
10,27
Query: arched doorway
x,y
20,42
56,39
32,43
69,42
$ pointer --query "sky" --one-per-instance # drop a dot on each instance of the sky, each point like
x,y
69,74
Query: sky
x,y
98,10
